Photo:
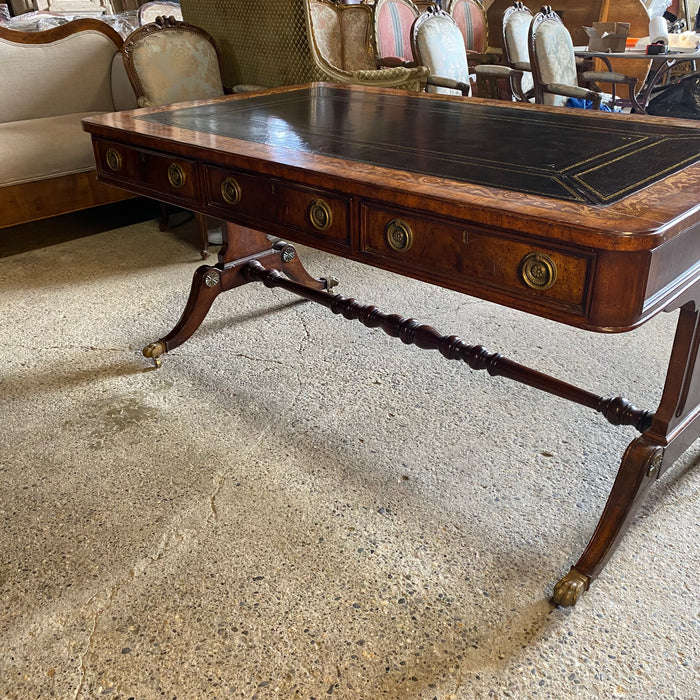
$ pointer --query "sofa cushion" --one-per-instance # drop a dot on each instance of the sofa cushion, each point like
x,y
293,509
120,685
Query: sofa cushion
x,y
61,77
35,149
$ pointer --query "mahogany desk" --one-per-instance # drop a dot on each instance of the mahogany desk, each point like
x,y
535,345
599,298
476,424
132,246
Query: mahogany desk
x,y
588,219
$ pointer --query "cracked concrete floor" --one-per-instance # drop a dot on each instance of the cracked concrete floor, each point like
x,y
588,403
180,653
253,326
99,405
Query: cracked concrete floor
x,y
295,506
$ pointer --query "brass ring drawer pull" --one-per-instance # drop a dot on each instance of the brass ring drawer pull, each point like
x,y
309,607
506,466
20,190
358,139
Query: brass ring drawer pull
x,y
538,271
113,159
231,190
176,175
399,235
320,215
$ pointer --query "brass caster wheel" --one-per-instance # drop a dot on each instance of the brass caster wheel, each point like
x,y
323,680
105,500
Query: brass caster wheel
x,y
569,589
154,351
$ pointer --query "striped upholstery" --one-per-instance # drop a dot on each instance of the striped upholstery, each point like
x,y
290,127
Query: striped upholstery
x,y
471,20
392,26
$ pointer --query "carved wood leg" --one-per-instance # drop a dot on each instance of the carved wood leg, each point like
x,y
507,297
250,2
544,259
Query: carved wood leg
x,y
240,245
675,427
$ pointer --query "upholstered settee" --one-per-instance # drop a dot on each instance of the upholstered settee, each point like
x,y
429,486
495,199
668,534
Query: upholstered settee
x,y
49,81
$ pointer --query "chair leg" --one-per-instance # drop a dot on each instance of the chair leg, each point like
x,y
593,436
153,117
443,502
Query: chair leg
x,y
164,223
201,220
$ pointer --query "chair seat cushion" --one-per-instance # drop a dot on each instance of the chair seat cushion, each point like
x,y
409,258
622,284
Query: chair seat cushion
x,y
35,149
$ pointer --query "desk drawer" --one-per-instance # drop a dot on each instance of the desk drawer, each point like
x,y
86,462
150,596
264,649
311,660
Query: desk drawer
x,y
175,178
261,200
463,255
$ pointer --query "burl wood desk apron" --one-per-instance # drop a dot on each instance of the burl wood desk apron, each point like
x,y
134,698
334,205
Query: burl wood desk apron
x,y
588,219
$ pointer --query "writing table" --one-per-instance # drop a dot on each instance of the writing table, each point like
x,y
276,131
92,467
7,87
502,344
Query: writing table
x,y
589,219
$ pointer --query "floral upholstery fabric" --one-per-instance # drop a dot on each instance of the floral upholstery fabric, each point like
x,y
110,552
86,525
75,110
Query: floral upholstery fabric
x,y
355,28
341,35
175,66
471,22
555,58
392,28
326,33
515,35
440,47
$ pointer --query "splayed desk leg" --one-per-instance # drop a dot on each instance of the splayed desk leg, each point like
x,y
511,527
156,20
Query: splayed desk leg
x,y
675,427
240,245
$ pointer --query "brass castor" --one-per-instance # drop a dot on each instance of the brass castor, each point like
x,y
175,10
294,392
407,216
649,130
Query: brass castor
x,y
154,351
569,589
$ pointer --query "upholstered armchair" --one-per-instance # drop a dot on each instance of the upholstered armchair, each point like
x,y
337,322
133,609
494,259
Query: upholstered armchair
x,y
393,20
340,38
438,44
169,61
553,65
516,73
471,19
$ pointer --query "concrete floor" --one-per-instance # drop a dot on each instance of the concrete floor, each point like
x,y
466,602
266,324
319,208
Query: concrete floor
x,y
295,506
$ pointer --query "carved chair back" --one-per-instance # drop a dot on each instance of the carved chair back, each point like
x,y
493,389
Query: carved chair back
x,y
393,20
438,44
516,25
341,35
552,56
340,39
169,61
471,20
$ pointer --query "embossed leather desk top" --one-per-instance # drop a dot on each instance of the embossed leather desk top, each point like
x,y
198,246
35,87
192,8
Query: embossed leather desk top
x,y
569,157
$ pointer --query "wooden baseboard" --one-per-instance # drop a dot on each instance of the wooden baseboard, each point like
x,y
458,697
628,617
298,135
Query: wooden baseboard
x,y
32,201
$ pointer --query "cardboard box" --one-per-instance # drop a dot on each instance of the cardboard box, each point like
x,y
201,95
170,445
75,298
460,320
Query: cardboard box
x,y
608,36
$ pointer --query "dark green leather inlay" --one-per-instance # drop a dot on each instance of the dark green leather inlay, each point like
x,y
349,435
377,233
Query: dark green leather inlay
x,y
574,157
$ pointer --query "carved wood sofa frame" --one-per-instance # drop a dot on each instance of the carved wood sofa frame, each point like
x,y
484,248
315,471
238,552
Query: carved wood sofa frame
x,y
55,195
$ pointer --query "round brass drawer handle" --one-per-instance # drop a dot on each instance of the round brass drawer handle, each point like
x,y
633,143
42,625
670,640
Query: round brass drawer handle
x,y
399,235
538,271
113,159
176,175
231,190
320,215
